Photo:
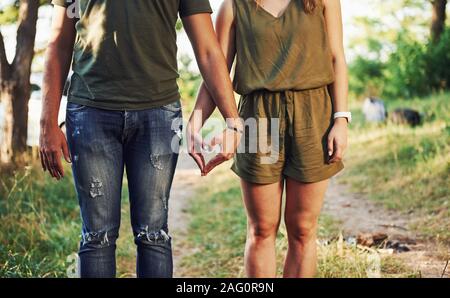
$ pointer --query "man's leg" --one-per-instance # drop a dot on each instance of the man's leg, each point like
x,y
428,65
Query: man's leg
x,y
94,138
150,163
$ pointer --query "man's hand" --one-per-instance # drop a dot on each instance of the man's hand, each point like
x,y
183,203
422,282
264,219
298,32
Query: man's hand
x,y
337,140
58,56
228,141
195,145
53,144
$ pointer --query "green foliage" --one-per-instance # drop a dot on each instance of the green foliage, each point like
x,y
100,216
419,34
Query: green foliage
x,y
438,62
179,25
366,75
190,80
394,55
10,13
412,69
405,71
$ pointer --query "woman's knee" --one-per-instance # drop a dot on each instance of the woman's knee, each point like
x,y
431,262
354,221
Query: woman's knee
x,y
262,230
302,231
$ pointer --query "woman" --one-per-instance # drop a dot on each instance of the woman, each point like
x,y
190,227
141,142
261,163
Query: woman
x,y
290,68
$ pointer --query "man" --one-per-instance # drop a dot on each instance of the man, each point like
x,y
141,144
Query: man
x,y
123,113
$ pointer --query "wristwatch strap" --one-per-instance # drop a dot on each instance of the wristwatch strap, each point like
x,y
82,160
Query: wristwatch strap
x,y
347,115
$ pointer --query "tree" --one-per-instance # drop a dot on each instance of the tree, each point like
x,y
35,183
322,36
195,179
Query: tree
x,y
15,87
396,56
438,19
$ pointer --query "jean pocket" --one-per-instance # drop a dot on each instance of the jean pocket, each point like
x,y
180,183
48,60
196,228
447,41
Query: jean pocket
x,y
174,107
75,107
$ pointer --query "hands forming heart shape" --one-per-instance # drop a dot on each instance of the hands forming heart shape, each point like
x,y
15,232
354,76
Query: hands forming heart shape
x,y
225,144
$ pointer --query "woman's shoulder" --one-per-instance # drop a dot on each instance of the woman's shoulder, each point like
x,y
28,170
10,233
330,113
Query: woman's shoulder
x,y
328,3
237,4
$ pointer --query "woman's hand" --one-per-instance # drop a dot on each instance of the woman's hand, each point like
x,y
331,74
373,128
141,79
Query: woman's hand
x,y
228,142
337,140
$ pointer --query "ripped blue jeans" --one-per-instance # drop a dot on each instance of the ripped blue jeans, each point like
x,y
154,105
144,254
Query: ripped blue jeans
x,y
104,143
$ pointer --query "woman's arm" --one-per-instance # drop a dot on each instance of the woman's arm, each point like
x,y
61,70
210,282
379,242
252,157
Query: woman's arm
x,y
205,104
337,140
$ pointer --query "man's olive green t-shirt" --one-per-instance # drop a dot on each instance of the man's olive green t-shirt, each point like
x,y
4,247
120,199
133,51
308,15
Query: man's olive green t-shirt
x,y
125,53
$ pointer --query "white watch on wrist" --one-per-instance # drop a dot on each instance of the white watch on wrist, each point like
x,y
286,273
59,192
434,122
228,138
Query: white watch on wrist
x,y
347,115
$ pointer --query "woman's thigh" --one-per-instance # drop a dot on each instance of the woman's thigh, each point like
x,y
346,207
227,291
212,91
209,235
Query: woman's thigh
x,y
263,205
304,202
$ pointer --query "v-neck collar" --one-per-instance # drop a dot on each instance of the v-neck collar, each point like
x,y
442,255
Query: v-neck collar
x,y
270,14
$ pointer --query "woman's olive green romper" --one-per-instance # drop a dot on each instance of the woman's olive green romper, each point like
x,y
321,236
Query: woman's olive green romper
x,y
283,69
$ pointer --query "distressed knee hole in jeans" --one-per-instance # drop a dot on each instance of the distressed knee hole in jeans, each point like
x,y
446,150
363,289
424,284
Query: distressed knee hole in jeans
x,y
95,238
152,237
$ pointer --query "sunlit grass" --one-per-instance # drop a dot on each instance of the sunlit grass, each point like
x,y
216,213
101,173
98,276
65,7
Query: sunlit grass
x,y
41,226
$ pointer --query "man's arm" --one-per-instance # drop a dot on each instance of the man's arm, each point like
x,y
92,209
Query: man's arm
x,y
212,64
225,32
58,56
216,89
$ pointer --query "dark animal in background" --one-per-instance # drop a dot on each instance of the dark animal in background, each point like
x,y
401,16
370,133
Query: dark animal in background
x,y
374,110
405,116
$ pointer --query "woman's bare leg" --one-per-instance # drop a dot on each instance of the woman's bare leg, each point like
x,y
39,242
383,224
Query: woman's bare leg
x,y
263,205
303,204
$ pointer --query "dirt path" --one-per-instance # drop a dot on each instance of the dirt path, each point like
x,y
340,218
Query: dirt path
x,y
186,179
358,215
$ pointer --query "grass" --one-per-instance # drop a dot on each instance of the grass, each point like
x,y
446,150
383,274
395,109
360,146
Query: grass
x,y
217,236
404,168
41,227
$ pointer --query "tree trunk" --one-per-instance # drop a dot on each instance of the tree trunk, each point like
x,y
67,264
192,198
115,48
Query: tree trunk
x,y
15,86
438,19
6,150
13,147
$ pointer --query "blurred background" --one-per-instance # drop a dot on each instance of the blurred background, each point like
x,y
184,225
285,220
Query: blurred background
x,y
387,214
